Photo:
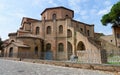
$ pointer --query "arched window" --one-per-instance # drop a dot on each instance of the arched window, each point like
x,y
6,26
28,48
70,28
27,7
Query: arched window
x,y
11,52
48,30
48,47
69,33
37,30
36,50
60,29
60,47
54,16
81,46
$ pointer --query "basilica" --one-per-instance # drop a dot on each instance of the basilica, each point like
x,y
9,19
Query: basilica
x,y
56,36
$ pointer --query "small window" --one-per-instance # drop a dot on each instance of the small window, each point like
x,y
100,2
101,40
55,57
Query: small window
x,y
48,30
60,29
44,18
66,16
111,40
81,29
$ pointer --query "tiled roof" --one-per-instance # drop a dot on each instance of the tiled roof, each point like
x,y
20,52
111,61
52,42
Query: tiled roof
x,y
19,44
57,8
30,36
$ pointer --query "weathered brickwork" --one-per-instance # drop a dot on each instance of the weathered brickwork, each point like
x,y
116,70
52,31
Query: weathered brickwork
x,y
57,36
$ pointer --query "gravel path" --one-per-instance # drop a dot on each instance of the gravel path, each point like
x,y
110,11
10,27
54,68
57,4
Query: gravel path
x,y
9,67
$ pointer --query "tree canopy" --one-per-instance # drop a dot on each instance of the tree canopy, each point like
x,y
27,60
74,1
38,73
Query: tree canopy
x,y
113,17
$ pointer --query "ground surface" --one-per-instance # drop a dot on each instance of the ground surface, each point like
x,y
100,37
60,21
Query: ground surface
x,y
9,67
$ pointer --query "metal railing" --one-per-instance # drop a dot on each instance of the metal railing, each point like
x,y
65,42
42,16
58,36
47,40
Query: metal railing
x,y
110,57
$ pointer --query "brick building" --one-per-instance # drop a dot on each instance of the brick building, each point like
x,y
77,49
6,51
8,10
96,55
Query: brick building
x,y
56,36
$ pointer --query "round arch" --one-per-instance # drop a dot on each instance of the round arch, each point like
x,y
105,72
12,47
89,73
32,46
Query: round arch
x,y
81,46
11,52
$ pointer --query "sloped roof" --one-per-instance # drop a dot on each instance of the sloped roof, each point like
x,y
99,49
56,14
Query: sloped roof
x,y
14,33
29,36
28,20
57,8
18,44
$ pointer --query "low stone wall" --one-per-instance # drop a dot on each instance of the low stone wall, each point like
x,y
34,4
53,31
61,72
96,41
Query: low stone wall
x,y
114,69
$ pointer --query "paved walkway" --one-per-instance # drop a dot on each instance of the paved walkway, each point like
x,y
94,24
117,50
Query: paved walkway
x,y
8,67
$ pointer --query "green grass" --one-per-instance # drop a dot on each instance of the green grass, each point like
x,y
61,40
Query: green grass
x,y
114,63
115,60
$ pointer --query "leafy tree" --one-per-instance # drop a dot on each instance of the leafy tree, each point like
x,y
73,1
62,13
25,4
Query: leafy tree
x,y
113,17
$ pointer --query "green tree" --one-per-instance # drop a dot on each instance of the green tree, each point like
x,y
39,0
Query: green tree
x,y
113,17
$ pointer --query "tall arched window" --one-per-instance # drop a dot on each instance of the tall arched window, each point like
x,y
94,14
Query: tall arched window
x,y
69,33
36,50
48,47
48,30
60,47
60,29
37,30
54,16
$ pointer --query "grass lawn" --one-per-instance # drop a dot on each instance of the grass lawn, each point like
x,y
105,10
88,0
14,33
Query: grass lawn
x,y
115,60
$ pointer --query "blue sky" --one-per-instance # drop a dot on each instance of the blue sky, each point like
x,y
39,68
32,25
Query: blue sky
x,y
87,11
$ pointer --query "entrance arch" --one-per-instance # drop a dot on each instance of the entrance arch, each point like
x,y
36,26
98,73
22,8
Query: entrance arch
x,y
48,53
81,46
69,49
11,52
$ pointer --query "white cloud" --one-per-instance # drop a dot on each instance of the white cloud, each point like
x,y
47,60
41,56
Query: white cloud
x,y
104,11
85,0
83,12
36,2
1,6
85,17
93,11
52,2
107,3
44,3
17,13
74,4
